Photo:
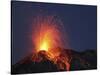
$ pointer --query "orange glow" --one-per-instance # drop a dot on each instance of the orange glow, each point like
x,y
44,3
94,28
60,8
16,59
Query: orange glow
x,y
48,35
44,46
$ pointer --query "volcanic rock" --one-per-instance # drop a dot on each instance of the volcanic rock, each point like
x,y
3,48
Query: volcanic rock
x,y
85,60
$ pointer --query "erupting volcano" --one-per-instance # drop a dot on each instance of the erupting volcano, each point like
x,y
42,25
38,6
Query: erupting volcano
x,y
51,51
51,37
48,36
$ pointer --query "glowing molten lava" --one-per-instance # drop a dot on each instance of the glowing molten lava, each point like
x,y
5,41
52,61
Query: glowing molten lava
x,y
44,46
48,32
48,35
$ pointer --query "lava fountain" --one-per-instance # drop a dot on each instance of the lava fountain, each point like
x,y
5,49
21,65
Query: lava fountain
x,y
49,35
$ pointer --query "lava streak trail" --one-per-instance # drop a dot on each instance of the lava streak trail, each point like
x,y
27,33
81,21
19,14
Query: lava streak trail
x,y
48,34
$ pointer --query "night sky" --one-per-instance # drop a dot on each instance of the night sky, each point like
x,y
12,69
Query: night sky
x,y
80,22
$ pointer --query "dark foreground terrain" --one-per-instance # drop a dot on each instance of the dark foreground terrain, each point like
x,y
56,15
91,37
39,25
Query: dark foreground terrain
x,y
86,60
